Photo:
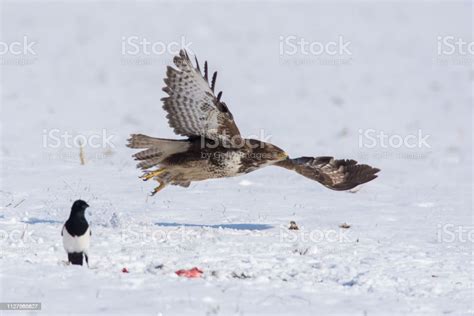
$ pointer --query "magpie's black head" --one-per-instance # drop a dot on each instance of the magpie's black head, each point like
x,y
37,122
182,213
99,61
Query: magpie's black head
x,y
79,207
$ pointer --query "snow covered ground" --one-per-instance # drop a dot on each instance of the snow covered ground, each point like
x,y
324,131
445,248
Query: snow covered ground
x,y
409,247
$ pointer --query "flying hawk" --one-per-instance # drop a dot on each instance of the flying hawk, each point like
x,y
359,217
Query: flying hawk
x,y
214,147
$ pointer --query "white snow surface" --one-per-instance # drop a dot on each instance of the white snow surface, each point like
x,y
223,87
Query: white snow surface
x,y
409,246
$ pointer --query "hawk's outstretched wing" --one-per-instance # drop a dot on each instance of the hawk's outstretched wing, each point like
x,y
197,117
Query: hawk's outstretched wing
x,y
334,174
193,108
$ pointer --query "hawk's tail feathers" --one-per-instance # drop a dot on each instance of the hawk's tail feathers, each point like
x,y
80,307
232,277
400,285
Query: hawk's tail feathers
x,y
334,174
156,149
144,141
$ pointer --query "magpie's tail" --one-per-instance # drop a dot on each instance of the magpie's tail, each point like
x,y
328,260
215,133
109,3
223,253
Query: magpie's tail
x,y
75,258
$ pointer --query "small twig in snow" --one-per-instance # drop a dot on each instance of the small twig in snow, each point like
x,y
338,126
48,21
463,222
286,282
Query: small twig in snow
x,y
19,203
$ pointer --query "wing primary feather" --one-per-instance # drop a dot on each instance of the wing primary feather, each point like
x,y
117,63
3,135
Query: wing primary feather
x,y
193,107
197,64
339,175
205,72
213,82
186,54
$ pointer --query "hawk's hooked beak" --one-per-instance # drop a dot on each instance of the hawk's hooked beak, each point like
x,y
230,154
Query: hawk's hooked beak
x,y
283,155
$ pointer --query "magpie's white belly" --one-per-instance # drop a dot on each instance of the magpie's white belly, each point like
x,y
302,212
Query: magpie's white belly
x,y
76,243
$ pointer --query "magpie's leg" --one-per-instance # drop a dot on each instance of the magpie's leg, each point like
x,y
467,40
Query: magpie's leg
x,y
87,259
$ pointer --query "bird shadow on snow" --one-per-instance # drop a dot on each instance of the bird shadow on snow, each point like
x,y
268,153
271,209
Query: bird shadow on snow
x,y
229,226
35,220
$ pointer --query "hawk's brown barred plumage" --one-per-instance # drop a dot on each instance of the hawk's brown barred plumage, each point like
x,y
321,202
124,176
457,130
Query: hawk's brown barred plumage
x,y
214,147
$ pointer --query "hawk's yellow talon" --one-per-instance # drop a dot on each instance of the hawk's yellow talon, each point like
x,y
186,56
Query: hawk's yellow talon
x,y
158,188
152,174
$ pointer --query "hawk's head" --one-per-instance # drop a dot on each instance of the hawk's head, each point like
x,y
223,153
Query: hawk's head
x,y
265,152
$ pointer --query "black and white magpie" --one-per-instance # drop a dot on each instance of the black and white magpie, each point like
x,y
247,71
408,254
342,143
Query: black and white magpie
x,y
77,234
